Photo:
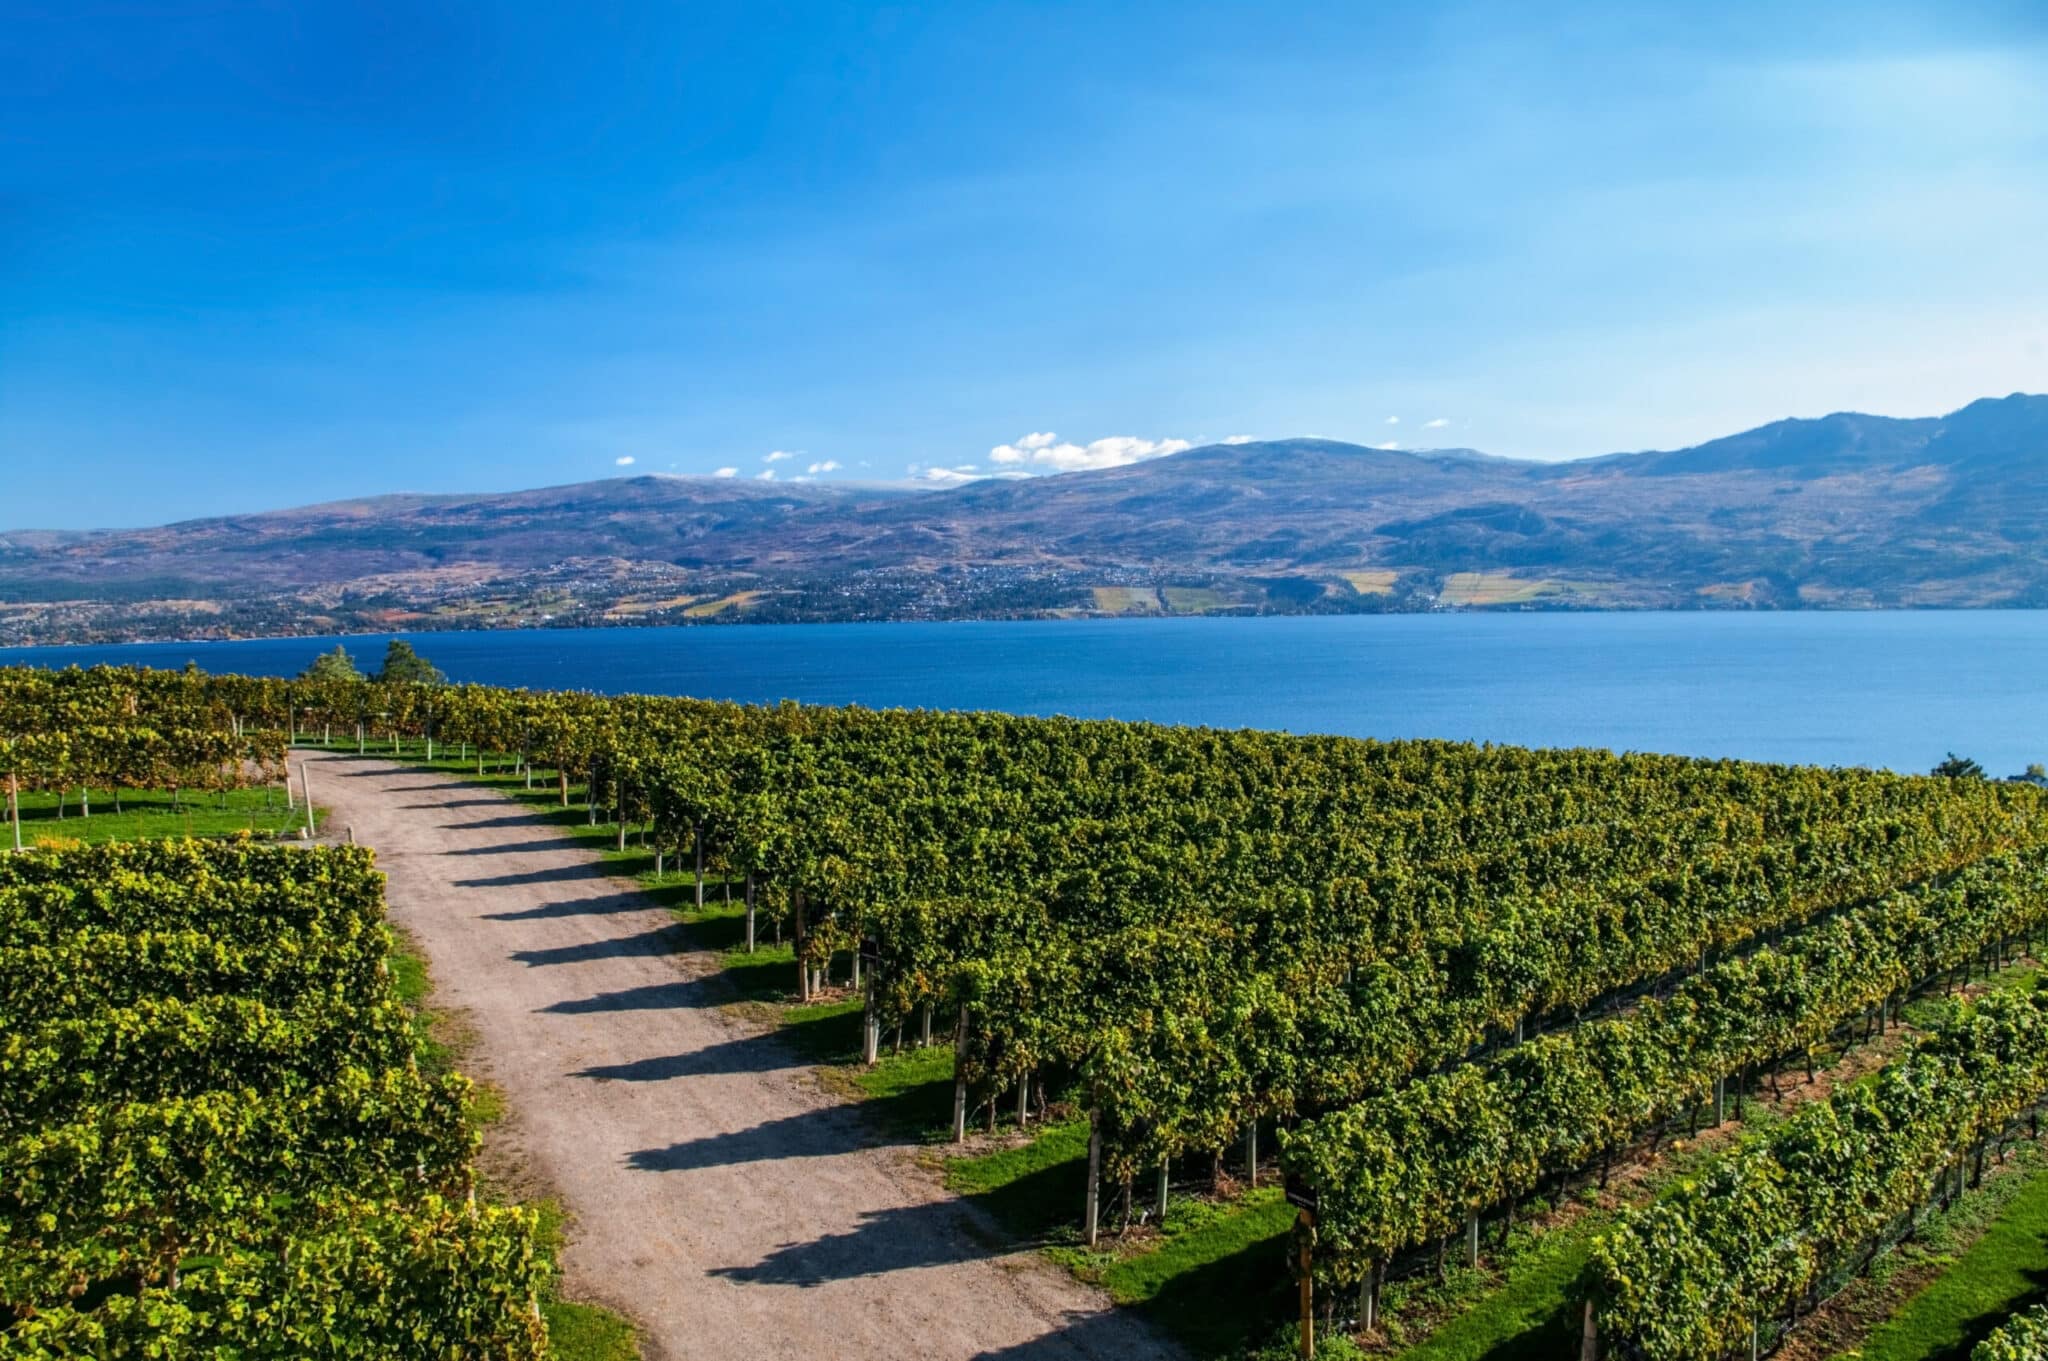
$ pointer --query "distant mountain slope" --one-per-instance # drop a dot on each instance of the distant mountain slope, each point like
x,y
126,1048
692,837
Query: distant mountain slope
x,y
1845,510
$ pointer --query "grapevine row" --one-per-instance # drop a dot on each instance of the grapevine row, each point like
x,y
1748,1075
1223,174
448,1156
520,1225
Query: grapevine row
x,y
1691,1276
1415,1165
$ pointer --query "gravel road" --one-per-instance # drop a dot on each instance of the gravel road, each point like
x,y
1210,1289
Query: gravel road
x,y
720,1197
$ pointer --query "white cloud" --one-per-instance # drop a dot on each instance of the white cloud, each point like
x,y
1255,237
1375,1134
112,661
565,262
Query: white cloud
x,y
1391,444
766,475
960,473
1048,452
1393,420
624,460
828,466
727,472
945,477
803,477
777,455
1240,439
1437,424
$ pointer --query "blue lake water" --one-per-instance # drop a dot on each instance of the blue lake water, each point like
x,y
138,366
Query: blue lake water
x,y
1881,689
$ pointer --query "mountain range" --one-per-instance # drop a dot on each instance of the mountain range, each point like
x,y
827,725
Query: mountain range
x,y
1844,511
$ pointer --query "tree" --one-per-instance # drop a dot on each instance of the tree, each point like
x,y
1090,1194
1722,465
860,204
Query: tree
x,y
401,663
1959,768
335,666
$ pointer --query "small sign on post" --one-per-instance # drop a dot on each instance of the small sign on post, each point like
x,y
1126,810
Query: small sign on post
x,y
1301,1195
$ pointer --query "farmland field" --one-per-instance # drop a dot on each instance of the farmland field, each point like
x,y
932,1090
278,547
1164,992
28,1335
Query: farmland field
x,y
1509,1022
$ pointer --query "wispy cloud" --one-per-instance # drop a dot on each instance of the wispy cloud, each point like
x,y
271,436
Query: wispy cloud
x,y
1391,444
827,466
1393,420
945,477
776,456
624,460
1046,451
1437,424
1240,439
727,472
766,475
939,475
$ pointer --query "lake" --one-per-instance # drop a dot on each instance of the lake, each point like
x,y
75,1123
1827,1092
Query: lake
x,y
1896,689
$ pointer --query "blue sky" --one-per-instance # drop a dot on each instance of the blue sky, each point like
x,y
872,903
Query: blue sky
x,y
261,254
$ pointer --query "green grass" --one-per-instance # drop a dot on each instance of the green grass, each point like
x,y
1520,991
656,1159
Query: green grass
x,y
2004,1270
587,1332
1219,1275
145,814
1033,1188
1214,1277
578,1332
1528,1317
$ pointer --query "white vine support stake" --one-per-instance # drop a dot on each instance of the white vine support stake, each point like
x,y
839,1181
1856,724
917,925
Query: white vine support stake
x,y
306,789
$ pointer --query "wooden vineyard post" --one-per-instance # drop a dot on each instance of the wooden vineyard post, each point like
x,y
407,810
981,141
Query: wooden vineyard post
x,y
750,912
1472,1240
306,791
1308,1282
960,1087
1023,1101
1589,1337
1251,1153
1369,1298
1164,1179
697,830
871,1018
803,965
1091,1216
14,807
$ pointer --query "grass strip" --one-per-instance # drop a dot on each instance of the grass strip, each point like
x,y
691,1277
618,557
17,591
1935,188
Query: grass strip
x,y
1995,1277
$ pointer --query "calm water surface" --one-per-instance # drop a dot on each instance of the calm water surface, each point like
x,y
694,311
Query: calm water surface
x,y
1882,689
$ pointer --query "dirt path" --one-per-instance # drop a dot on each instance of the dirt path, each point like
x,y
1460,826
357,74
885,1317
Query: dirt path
x,y
721,1198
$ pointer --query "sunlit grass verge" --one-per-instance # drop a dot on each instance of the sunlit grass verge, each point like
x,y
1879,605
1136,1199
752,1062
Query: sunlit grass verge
x,y
150,814
2001,1272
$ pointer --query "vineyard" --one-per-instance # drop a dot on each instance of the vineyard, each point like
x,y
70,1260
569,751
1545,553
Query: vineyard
x,y
1443,982
217,1137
